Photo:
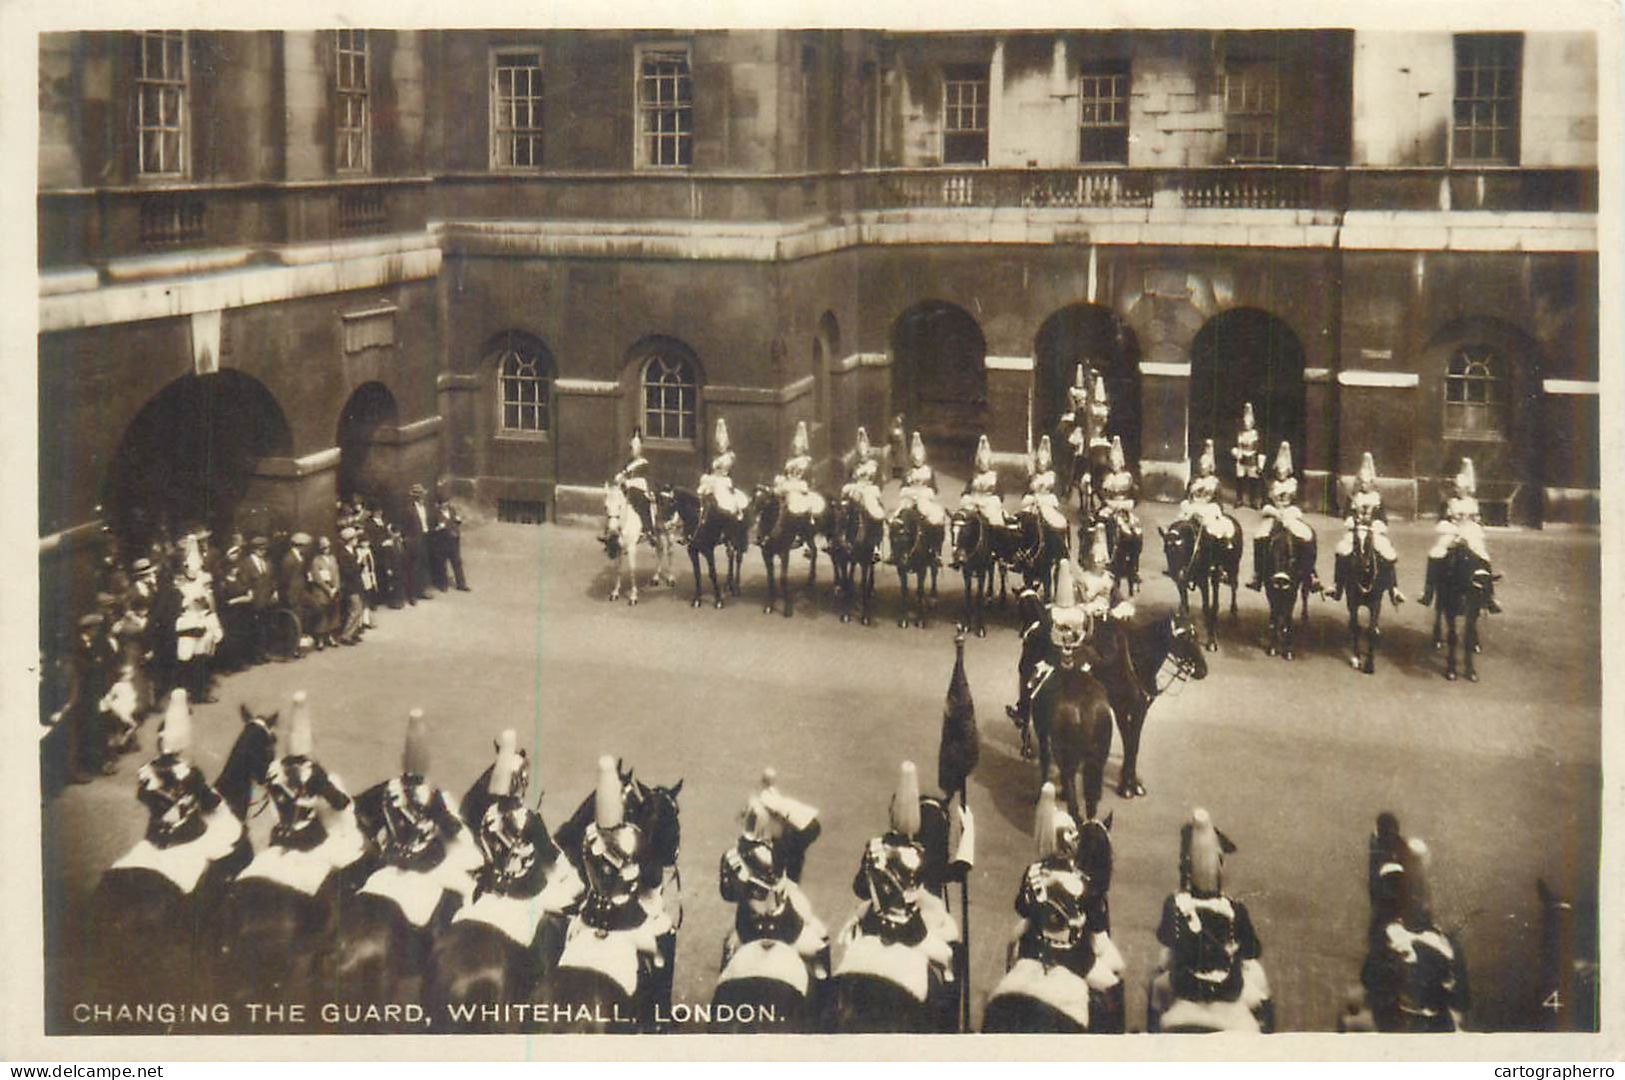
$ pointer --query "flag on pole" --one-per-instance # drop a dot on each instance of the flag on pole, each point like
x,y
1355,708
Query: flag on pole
x,y
959,749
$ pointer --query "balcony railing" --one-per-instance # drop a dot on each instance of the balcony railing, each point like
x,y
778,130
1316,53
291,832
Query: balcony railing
x,y
91,226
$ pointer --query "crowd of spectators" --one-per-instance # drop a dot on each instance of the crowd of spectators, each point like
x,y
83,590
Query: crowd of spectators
x,y
182,608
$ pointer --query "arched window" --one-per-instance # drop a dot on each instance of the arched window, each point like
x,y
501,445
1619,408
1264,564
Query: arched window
x,y
522,380
670,397
1475,394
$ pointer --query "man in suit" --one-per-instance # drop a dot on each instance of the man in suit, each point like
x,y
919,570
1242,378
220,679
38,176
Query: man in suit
x,y
385,543
416,520
293,577
352,605
446,545
259,582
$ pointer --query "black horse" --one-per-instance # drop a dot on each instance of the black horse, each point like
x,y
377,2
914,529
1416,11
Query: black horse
x,y
1464,591
1073,716
1123,554
1369,578
703,528
1138,663
982,550
153,913
916,547
585,991
779,532
1196,556
1288,573
853,545
1040,549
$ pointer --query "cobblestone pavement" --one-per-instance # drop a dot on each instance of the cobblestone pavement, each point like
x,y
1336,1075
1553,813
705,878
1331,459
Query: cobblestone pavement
x,y
1293,759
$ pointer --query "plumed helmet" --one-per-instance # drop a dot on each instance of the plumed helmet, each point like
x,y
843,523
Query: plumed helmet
x,y
863,448
191,556
1066,594
1247,420
511,833
1417,891
1043,458
1077,378
1099,391
415,759
637,442
760,823
721,437
506,767
175,736
1098,551
1069,622
300,742
800,444
609,811
1043,822
905,802
1203,848
1466,480
916,450
1283,461
984,455
1368,472
1118,461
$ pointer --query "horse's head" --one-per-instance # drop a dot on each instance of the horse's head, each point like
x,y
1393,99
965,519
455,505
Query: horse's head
x,y
1095,853
1185,648
653,810
258,741
1178,544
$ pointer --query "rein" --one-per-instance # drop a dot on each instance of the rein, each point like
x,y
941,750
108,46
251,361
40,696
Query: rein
x,y
1181,673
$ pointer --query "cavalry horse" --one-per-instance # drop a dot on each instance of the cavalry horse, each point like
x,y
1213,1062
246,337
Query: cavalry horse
x,y
982,550
1462,593
779,532
1138,664
854,544
1196,556
1040,549
1289,572
1072,716
916,547
623,528
703,528
1370,577
1040,994
153,911
621,981
1123,553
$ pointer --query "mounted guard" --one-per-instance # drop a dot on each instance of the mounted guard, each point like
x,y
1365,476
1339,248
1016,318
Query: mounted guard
x,y
633,480
1249,459
980,499
863,485
1366,514
1201,504
919,491
1209,977
1040,499
1077,409
182,808
792,485
1065,973
1281,512
1460,525
716,488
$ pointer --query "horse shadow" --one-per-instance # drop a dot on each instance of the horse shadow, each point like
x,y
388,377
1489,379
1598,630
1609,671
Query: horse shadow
x,y
1012,781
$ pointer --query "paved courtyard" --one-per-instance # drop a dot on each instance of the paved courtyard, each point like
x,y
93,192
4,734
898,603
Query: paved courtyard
x,y
1294,760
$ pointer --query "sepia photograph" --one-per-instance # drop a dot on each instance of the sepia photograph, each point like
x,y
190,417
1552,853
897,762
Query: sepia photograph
x,y
821,528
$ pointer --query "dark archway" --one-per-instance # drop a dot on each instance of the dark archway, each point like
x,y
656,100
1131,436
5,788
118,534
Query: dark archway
x,y
1090,335
826,351
1239,356
361,472
188,456
939,376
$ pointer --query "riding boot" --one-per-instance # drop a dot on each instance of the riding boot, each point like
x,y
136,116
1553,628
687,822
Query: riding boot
x,y
1340,574
1489,593
1394,595
1432,582
1257,584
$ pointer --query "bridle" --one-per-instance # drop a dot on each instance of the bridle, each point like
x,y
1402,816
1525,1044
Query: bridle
x,y
1178,669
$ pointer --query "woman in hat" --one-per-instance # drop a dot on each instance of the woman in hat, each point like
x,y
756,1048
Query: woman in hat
x,y
324,594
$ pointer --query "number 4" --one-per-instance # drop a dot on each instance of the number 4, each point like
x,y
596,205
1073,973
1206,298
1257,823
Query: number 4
x,y
1554,1002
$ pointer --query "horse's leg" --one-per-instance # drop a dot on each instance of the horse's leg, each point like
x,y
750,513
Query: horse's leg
x,y
1094,768
1438,619
772,586
964,615
786,590
694,559
711,565
1129,725
1354,631
1450,649
632,573
919,601
1469,644
867,578
1210,609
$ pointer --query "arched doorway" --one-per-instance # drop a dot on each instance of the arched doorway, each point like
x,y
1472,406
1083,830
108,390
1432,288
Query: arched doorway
x,y
188,456
1239,356
363,470
939,377
1093,336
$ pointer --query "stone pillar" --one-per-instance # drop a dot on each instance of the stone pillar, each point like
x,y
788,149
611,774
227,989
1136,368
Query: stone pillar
x,y
292,494
1164,416
1376,412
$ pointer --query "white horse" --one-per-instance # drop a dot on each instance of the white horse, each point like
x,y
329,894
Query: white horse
x,y
623,529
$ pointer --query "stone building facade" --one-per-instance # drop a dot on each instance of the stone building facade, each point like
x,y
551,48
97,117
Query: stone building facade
x,y
281,266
